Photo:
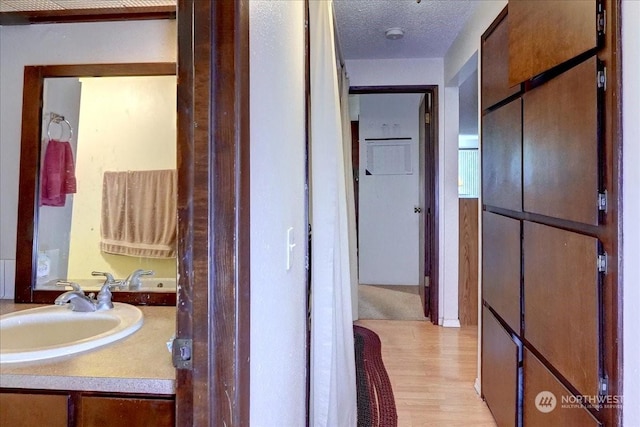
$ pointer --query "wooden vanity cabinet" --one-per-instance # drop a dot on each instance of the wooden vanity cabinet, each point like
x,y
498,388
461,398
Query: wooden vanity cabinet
x,y
34,409
108,411
28,408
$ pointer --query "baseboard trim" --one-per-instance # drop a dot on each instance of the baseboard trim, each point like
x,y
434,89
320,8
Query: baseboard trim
x,y
450,323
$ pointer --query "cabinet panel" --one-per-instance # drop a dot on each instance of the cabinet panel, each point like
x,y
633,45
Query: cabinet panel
x,y
501,267
468,262
29,410
499,370
561,302
502,157
538,379
546,33
560,147
495,66
99,411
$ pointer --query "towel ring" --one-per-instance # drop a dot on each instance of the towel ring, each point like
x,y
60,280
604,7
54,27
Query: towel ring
x,y
59,120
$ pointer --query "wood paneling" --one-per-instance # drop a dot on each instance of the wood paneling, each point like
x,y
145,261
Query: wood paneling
x,y
88,15
468,262
561,302
501,257
29,410
495,65
560,147
499,370
116,412
537,379
546,33
502,157
571,150
213,211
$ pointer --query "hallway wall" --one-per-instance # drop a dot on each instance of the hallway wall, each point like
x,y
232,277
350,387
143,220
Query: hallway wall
x,y
278,295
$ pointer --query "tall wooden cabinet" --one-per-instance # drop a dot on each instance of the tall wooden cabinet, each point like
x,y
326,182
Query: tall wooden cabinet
x,y
549,220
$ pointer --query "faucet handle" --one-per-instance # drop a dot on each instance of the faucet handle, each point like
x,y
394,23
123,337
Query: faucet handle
x,y
133,281
109,276
73,285
103,299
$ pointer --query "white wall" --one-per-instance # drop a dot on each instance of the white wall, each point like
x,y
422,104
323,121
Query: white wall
x,y
631,210
126,123
60,96
133,41
396,72
278,296
460,61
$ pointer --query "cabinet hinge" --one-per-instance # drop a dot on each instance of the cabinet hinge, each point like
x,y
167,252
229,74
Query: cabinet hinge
x,y
603,386
427,118
602,201
602,79
601,19
602,263
181,351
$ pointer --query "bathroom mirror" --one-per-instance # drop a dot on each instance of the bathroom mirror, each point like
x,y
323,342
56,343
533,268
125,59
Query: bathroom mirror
x,y
108,133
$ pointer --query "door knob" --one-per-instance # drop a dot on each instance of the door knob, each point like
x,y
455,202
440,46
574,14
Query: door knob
x,y
416,209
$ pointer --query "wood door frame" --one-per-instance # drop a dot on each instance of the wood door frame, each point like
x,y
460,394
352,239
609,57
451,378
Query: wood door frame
x,y
431,164
213,212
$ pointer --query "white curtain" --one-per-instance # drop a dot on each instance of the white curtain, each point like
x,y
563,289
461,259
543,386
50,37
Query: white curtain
x,y
333,385
349,190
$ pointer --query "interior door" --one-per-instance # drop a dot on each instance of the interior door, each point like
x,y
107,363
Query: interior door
x,y
389,178
423,253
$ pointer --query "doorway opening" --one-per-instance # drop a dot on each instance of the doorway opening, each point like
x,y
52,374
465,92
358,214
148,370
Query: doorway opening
x,y
391,142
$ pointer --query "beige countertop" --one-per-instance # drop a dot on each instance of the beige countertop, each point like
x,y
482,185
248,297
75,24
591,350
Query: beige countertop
x,y
139,363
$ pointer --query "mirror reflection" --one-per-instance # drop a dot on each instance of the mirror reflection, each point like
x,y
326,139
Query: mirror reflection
x,y
107,182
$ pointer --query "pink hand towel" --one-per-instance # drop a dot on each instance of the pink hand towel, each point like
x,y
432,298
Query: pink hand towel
x,y
58,174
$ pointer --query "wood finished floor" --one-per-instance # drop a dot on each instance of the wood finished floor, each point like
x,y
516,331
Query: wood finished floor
x,y
432,372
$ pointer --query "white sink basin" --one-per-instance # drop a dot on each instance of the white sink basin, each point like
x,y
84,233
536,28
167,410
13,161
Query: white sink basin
x,y
54,331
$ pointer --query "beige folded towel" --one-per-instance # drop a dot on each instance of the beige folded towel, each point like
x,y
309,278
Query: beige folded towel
x,y
139,216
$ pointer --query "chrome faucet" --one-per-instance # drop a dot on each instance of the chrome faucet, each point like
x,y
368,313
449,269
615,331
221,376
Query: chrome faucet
x,y
76,298
78,301
133,281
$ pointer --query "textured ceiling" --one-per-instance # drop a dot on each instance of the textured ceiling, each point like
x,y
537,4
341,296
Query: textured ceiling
x,y
430,27
41,5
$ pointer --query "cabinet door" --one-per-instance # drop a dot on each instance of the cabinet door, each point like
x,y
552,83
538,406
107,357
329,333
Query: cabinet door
x,y
546,33
499,370
495,65
502,157
561,302
501,267
560,153
99,411
546,401
29,410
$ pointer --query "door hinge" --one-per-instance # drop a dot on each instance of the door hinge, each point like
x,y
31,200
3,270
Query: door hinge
x,y
181,351
601,20
603,386
427,118
602,79
602,201
602,263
